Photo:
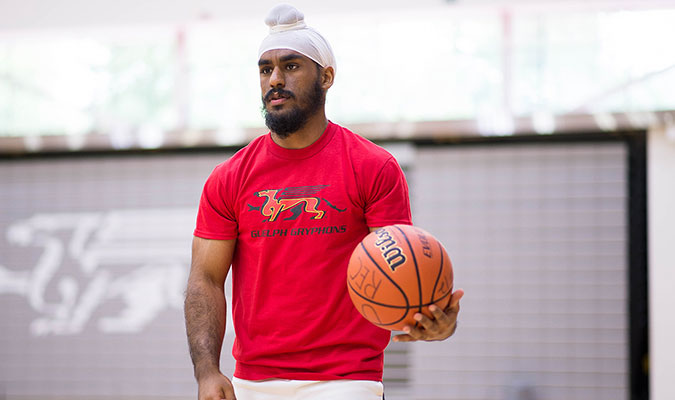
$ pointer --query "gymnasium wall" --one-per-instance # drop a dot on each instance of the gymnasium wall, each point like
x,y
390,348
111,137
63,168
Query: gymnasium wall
x,y
94,253
537,233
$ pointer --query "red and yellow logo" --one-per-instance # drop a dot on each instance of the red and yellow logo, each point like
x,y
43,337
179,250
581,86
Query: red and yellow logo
x,y
297,200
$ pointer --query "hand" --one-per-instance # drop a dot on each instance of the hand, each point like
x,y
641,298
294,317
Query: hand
x,y
440,327
216,387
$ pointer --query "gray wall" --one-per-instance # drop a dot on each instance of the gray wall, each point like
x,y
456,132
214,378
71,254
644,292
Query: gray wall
x,y
94,252
537,237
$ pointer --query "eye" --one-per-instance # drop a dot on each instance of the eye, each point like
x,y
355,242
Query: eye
x,y
292,66
265,70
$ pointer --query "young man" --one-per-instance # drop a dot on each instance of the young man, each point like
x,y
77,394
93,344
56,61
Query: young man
x,y
286,212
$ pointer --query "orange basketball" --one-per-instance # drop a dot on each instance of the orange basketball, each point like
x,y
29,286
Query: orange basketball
x,y
397,271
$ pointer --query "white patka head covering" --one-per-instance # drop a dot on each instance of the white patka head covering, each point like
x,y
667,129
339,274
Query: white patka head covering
x,y
289,31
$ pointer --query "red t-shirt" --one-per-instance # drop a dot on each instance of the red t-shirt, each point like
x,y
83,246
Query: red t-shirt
x,y
297,216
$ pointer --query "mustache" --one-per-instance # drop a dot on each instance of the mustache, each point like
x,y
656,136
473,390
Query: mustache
x,y
280,92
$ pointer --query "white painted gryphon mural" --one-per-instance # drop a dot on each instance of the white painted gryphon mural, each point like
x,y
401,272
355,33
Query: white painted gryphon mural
x,y
136,257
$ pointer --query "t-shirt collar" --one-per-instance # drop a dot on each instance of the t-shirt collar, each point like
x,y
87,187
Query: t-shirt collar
x,y
305,152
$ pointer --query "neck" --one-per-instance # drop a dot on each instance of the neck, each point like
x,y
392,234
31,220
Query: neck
x,y
306,135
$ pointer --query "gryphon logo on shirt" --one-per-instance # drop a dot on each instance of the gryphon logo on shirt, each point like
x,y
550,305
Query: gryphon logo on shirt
x,y
289,204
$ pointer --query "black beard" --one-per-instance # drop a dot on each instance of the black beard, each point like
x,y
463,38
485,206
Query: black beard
x,y
284,124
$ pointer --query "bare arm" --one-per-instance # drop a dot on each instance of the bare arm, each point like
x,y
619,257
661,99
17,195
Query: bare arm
x,y
205,309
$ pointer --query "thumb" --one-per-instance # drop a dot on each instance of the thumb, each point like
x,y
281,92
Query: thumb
x,y
228,393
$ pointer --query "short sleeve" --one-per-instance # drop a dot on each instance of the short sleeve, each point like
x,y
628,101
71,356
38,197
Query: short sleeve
x,y
388,201
216,218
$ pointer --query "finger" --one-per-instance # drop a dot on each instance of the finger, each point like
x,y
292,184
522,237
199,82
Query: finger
x,y
228,391
230,396
403,338
453,304
425,322
415,333
452,310
439,315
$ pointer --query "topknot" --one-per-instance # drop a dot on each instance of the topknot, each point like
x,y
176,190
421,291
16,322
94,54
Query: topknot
x,y
285,17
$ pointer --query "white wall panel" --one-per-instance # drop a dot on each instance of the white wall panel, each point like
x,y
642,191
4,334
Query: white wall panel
x,y
661,183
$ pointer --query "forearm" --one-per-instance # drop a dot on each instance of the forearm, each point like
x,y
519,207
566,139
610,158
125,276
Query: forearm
x,y
205,325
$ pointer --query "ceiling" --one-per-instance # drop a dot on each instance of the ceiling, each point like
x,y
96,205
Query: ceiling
x,y
40,14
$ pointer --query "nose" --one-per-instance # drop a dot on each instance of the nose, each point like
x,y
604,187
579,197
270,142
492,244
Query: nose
x,y
277,78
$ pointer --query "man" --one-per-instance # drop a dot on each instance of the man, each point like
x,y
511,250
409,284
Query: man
x,y
286,212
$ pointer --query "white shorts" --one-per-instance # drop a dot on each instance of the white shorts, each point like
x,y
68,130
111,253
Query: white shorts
x,y
284,389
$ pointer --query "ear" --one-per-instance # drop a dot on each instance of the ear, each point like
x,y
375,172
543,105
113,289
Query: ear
x,y
327,77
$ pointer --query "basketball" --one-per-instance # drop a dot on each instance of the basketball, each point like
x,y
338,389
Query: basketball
x,y
396,272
